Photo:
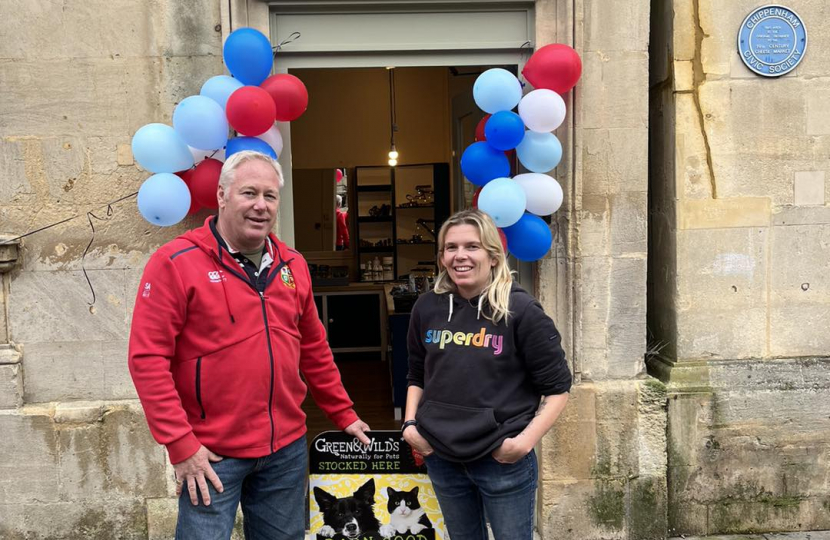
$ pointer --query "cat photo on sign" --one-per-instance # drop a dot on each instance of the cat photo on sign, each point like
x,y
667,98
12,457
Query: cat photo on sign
x,y
405,513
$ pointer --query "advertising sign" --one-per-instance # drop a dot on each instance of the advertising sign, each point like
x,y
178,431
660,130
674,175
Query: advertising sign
x,y
374,493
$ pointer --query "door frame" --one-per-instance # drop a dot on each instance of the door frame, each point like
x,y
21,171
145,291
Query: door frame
x,y
503,49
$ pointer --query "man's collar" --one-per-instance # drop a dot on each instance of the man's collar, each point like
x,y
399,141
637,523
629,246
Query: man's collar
x,y
268,247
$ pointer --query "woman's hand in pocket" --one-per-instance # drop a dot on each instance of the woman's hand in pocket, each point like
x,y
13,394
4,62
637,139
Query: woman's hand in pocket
x,y
416,441
511,450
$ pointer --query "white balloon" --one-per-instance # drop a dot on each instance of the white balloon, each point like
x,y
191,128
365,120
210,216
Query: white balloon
x,y
199,155
542,110
544,194
273,138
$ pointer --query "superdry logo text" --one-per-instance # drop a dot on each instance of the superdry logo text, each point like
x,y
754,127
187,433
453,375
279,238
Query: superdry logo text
x,y
466,339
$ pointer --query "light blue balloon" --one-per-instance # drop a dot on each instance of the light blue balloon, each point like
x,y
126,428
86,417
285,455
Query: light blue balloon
x,y
247,54
159,149
239,144
201,123
503,200
163,199
539,152
497,90
220,88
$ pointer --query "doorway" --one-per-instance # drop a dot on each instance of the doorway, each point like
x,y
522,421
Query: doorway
x,y
341,49
347,129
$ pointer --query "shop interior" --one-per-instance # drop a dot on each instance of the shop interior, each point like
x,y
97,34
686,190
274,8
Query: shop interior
x,y
374,174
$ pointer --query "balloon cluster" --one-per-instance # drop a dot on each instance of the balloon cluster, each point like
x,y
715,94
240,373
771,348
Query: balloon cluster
x,y
515,204
187,158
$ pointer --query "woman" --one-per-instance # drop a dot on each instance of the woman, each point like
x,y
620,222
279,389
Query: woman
x,y
487,379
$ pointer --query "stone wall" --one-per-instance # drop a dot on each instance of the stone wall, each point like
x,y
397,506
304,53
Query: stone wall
x,y
740,242
603,466
77,80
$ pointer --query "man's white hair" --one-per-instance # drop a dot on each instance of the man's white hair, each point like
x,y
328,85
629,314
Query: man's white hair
x,y
228,174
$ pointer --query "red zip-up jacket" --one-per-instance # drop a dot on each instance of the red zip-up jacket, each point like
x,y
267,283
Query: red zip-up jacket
x,y
218,364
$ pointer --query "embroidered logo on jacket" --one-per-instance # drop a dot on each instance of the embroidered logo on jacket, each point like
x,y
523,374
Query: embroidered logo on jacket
x,y
215,276
146,292
287,277
480,339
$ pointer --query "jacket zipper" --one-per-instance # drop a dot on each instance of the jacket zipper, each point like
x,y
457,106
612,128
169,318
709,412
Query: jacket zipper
x,y
199,386
271,358
268,337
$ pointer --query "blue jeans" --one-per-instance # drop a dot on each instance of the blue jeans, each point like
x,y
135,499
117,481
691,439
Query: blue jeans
x,y
271,490
468,491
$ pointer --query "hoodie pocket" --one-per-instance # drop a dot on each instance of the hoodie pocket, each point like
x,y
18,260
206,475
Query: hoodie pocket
x,y
464,431
199,386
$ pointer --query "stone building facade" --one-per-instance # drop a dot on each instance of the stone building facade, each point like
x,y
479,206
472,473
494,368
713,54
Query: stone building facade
x,y
689,273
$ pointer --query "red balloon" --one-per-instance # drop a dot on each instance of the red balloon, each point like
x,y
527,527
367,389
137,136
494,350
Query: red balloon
x,y
339,175
480,128
556,67
475,197
187,175
289,95
503,240
250,111
511,157
204,181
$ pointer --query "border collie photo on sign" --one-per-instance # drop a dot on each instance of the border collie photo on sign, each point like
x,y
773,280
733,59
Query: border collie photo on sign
x,y
348,518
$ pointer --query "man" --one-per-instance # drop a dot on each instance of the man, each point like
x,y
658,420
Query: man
x,y
224,325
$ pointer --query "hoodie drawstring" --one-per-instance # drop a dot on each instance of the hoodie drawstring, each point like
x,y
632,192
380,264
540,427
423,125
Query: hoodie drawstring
x,y
224,292
478,314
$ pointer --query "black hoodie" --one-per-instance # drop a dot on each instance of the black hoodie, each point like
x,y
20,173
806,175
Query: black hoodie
x,y
482,381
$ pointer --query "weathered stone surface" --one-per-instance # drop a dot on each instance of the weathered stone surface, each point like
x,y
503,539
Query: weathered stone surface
x,y
628,224
800,293
769,414
53,299
114,456
614,160
79,452
11,386
86,370
627,318
604,33
606,454
89,519
808,188
604,106
29,469
721,274
724,213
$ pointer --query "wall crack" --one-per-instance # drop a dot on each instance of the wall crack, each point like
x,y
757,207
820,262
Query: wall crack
x,y
698,80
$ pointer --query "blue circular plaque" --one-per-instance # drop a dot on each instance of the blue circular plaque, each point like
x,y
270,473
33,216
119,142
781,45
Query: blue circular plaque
x,y
772,40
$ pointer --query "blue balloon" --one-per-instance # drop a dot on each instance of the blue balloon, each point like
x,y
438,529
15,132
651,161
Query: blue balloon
x,y
238,144
529,239
248,56
480,163
220,88
159,149
504,130
163,199
503,200
201,123
539,152
497,90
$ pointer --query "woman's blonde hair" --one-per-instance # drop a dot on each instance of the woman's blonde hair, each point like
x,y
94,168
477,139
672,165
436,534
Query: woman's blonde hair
x,y
497,291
